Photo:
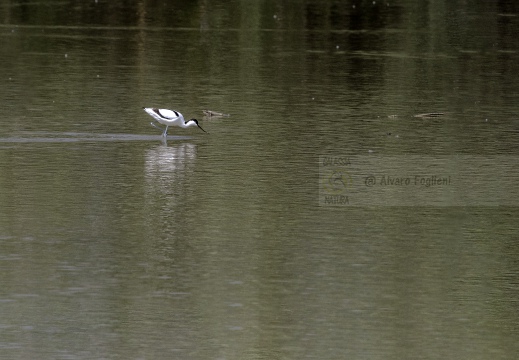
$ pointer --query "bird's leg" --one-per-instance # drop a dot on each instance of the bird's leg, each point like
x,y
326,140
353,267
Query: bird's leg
x,y
165,133
155,126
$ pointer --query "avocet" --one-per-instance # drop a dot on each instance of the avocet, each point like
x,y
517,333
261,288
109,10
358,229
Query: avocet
x,y
170,118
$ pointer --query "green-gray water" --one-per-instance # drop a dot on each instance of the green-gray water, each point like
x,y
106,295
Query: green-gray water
x,y
115,244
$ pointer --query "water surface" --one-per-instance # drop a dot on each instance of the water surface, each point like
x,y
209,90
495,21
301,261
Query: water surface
x,y
117,244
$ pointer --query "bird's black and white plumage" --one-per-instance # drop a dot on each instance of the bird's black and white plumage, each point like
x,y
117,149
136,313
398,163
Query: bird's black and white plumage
x,y
170,118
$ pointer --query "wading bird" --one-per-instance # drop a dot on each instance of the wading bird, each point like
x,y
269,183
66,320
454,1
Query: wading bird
x,y
170,118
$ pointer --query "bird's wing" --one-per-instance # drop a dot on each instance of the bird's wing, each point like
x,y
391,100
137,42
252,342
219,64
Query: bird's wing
x,y
169,114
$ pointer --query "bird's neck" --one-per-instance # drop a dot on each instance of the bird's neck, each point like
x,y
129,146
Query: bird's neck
x,y
188,124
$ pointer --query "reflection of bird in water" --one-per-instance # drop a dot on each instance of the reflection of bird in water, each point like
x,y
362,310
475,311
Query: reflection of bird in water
x,y
168,175
210,113
170,118
172,160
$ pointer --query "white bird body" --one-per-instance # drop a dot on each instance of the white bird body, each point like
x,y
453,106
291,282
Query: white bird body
x,y
170,118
